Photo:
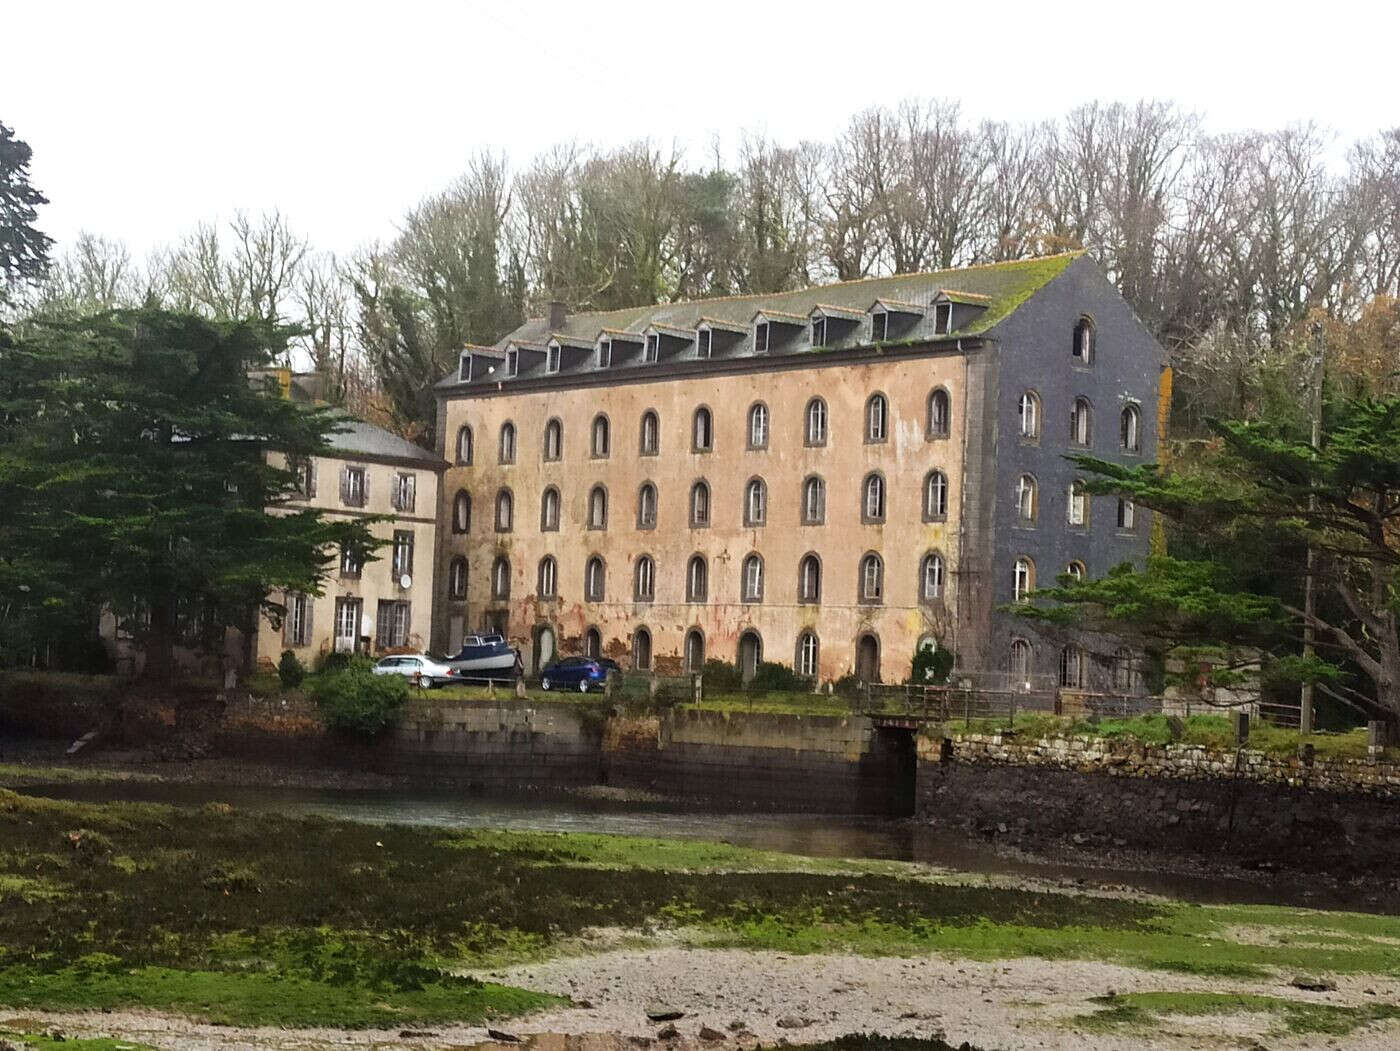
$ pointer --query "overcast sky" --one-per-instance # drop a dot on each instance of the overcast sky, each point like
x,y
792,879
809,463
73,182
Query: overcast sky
x,y
147,117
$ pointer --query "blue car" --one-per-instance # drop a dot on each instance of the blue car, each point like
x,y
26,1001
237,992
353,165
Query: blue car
x,y
579,673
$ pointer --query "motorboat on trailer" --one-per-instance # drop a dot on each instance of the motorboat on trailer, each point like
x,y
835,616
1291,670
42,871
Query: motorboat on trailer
x,y
484,656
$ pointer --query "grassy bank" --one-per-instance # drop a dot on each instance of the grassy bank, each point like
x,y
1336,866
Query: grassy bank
x,y
253,918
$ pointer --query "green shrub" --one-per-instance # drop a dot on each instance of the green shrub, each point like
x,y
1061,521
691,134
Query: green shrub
x,y
335,660
290,670
848,685
721,676
356,700
931,666
779,678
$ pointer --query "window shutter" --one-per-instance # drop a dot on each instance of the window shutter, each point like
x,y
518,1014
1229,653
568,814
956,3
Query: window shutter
x,y
381,626
407,622
311,477
287,599
412,493
308,627
345,485
408,553
364,489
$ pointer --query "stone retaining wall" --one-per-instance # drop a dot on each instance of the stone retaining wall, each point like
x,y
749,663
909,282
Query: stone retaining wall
x,y
1342,815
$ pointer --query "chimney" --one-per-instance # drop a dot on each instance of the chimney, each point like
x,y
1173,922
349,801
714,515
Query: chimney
x,y
558,311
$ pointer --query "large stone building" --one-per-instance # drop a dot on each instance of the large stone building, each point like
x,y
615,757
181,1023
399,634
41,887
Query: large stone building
x,y
828,478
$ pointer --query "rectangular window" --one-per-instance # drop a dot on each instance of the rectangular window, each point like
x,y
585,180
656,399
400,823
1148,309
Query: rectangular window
x,y
551,358
819,332
298,620
347,624
391,624
943,318
760,338
403,554
354,490
652,350
879,326
512,363
305,471
703,342
350,564
404,492
605,354
464,368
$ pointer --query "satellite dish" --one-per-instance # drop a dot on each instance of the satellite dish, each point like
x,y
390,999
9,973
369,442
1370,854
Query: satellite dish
x,y
405,582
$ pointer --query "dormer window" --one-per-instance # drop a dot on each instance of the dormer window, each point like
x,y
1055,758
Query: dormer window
x,y
651,349
879,326
551,359
760,338
819,332
464,368
703,341
512,363
942,318
605,353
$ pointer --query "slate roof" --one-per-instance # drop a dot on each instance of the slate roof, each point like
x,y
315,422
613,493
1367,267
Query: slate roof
x,y
354,436
1006,286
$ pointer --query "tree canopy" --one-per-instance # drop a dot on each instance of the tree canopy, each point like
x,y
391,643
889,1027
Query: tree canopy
x,y
136,476
24,250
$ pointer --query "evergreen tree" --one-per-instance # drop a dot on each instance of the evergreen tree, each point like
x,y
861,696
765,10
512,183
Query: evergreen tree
x,y
135,476
24,251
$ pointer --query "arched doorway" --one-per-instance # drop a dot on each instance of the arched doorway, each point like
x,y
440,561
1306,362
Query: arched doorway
x,y
868,658
544,647
593,643
750,655
694,650
641,650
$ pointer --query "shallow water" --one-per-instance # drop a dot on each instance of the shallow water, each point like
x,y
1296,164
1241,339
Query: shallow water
x,y
814,835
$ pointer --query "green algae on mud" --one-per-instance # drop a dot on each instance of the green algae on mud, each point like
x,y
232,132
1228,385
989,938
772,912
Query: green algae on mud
x,y
203,910
1143,1011
42,1042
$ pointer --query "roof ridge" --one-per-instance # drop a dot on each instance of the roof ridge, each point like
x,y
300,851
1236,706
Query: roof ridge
x,y
1004,263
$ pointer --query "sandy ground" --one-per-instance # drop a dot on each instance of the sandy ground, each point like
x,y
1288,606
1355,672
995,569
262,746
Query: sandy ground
x,y
761,997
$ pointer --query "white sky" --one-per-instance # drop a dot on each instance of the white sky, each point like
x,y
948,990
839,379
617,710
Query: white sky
x,y
146,117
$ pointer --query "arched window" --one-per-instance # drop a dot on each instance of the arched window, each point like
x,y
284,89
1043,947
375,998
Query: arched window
x,y
931,577
877,419
1081,422
462,512
553,441
507,442
597,508
1130,429
808,653
935,496
751,584
1023,582
646,506
703,431
594,579
813,500
650,441
1127,514
697,579
1019,662
644,582
1072,668
815,433
1026,502
1077,507
872,578
457,579
694,650
548,577
593,643
1126,677
809,579
602,438
758,426
1076,571
641,650
1083,349
873,498
940,414
755,502
549,510
500,579
464,446
1028,409
505,511
699,505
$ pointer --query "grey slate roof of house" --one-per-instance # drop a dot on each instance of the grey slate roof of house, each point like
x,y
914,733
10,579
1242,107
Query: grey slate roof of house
x,y
357,437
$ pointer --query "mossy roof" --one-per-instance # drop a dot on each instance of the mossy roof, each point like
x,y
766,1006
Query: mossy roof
x,y
1005,287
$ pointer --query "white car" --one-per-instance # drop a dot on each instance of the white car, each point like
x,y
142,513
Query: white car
x,y
418,667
